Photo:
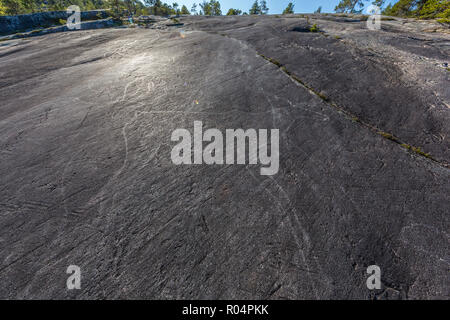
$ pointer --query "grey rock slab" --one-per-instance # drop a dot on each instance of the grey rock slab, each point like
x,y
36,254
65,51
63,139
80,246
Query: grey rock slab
x,y
87,179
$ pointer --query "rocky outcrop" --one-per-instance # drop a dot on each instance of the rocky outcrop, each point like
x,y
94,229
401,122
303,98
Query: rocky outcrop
x,y
25,22
86,120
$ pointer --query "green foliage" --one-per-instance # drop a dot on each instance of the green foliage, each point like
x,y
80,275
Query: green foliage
x,y
175,7
263,7
314,28
211,8
184,10
423,9
349,6
435,9
2,9
12,7
379,3
194,9
156,7
29,5
388,136
289,9
403,8
416,150
117,8
259,7
255,9
234,12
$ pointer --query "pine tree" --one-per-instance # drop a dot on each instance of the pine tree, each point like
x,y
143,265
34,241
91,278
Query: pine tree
x,y
349,6
194,8
184,10
233,12
255,9
379,3
263,7
289,9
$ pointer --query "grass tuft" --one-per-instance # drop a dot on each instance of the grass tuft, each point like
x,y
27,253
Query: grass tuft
x,y
387,136
416,150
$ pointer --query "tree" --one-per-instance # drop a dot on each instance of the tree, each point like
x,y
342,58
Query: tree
x,y
29,5
131,7
349,6
194,8
255,9
319,10
12,7
379,3
263,7
215,6
2,9
424,9
402,8
184,10
116,8
211,8
388,10
175,8
153,6
234,12
436,9
289,9
206,9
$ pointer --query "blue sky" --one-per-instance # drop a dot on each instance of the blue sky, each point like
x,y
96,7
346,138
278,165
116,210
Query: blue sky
x,y
275,6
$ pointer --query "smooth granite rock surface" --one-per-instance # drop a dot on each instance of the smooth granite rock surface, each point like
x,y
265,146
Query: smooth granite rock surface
x,y
86,120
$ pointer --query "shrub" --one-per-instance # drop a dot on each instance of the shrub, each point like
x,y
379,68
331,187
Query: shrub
x,y
314,28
